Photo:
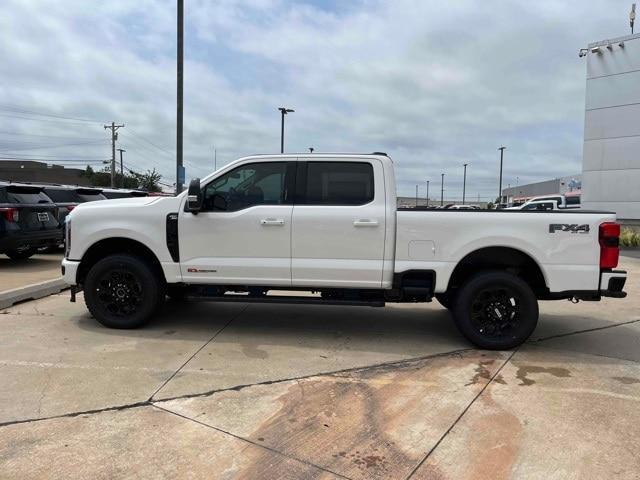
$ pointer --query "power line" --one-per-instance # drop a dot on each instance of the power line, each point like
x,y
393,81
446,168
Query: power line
x,y
162,149
24,111
40,146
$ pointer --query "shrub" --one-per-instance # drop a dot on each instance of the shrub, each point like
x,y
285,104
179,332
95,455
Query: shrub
x,y
629,237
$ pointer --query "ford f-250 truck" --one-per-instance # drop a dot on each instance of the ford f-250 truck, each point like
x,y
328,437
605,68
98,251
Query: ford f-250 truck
x,y
265,226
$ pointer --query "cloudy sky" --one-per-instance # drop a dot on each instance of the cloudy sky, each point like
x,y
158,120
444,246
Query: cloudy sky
x,y
434,84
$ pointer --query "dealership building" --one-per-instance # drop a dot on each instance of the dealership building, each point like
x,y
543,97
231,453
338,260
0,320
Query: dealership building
x,y
570,186
611,155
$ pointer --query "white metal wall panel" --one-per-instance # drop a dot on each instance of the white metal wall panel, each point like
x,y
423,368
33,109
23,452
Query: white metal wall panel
x,y
612,154
614,90
617,60
612,122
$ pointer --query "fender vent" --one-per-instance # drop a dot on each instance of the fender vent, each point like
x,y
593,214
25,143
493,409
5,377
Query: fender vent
x,y
172,236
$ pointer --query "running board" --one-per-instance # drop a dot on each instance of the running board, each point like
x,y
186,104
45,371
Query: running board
x,y
283,299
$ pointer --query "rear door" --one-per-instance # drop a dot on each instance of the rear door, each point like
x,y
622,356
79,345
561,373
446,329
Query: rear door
x,y
338,223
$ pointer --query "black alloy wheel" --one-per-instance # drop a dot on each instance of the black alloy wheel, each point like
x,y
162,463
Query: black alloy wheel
x,y
496,310
123,291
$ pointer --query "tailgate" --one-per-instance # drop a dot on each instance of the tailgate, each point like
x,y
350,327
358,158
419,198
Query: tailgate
x,y
38,217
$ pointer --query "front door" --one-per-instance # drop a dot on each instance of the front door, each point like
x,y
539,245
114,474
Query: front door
x,y
242,235
339,221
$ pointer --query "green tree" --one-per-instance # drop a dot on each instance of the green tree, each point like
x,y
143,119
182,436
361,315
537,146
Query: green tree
x,y
149,180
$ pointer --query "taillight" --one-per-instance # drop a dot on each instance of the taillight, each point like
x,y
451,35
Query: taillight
x,y
609,238
11,214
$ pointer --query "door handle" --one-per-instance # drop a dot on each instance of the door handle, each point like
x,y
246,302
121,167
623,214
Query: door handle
x,y
365,222
272,221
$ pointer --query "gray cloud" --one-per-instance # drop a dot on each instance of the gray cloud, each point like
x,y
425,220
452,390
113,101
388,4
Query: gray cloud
x,y
435,84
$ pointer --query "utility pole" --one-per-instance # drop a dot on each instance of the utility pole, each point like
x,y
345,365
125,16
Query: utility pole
x,y
464,182
283,111
179,96
114,136
632,16
500,185
416,195
121,168
442,191
215,158
427,193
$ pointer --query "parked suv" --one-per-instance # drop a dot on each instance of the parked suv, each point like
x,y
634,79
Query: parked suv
x,y
69,197
28,220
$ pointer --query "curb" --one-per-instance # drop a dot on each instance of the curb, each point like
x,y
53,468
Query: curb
x,y
31,292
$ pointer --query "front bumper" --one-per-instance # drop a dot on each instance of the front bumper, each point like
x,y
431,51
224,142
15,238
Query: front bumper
x,y
70,271
612,282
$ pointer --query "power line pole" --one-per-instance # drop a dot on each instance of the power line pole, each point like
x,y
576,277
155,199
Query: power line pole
x,y
500,185
215,158
121,168
114,136
416,195
442,191
464,182
180,97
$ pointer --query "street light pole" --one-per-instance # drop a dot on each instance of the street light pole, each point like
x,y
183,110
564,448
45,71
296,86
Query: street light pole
x,y
427,193
442,190
500,184
283,111
464,183
121,168
180,96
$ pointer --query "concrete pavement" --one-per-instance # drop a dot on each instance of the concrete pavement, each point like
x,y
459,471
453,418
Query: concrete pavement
x,y
35,277
265,391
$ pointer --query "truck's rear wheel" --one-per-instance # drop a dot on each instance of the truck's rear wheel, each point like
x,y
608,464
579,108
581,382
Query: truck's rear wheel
x,y
496,310
122,291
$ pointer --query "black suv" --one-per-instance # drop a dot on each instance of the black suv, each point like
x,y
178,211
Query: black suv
x,y
28,220
69,197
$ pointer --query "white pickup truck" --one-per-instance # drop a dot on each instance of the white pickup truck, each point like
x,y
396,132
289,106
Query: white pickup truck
x,y
272,228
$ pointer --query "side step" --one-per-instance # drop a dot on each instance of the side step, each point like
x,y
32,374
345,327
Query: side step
x,y
283,299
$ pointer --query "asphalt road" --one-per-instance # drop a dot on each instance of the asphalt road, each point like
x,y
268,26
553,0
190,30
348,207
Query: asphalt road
x,y
265,391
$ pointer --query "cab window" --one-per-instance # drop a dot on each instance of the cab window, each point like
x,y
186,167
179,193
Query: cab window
x,y
248,185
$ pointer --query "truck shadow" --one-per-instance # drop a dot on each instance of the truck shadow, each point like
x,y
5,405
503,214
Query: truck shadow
x,y
397,329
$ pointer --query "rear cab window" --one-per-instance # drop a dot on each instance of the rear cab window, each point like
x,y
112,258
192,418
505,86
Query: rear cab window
x,y
338,183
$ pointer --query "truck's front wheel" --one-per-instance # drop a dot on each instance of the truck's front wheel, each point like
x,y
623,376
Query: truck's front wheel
x,y
122,291
496,310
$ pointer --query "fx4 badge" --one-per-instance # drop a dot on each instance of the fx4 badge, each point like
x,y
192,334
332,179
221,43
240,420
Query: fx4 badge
x,y
568,227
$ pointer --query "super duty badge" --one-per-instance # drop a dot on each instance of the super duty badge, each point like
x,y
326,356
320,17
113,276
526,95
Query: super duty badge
x,y
568,227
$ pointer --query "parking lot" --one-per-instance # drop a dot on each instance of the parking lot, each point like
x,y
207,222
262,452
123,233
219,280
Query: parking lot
x,y
270,391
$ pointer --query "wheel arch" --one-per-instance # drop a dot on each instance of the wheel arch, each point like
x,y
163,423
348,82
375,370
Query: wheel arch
x,y
500,258
113,245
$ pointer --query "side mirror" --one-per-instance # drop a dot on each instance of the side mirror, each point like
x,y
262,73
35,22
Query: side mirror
x,y
194,197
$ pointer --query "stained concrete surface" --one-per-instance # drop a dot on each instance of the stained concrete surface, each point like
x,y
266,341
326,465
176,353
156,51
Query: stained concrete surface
x,y
236,391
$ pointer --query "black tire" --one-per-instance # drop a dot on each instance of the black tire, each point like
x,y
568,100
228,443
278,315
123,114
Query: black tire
x,y
123,291
20,254
445,299
496,310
